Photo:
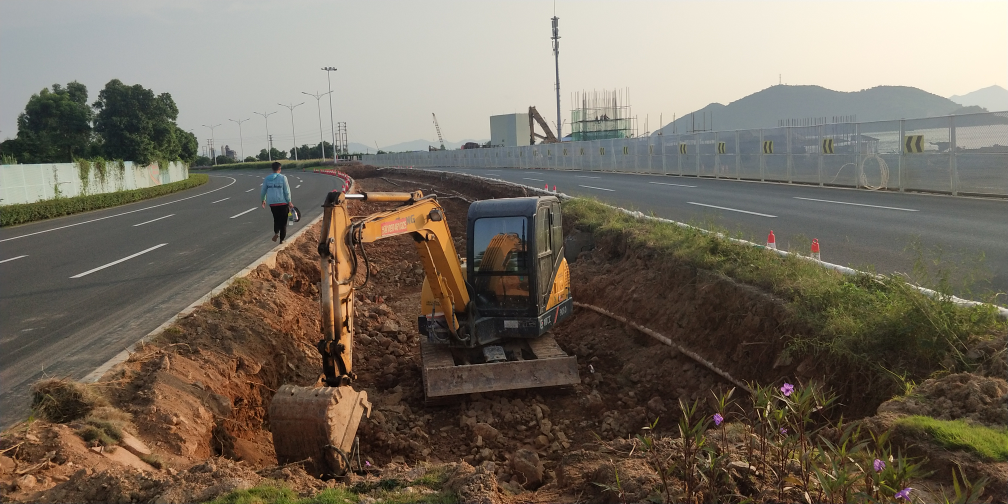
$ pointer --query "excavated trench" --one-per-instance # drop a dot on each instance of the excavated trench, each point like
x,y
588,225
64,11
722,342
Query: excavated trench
x,y
199,394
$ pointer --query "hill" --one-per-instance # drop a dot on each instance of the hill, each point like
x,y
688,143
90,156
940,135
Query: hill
x,y
765,108
993,98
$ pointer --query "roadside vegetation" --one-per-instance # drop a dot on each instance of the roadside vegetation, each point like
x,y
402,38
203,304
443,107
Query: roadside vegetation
x,y
991,443
22,213
881,332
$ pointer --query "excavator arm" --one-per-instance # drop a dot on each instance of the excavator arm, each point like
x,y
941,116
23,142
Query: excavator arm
x,y
549,137
342,237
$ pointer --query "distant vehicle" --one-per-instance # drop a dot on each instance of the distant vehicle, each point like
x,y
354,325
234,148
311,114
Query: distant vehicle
x,y
471,145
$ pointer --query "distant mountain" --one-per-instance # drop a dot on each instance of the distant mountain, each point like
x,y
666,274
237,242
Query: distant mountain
x,y
423,145
765,108
355,147
993,98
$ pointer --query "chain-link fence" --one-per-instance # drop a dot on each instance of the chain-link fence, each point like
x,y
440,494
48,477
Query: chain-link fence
x,y
964,154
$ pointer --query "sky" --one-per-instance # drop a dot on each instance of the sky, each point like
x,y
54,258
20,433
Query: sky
x,y
399,61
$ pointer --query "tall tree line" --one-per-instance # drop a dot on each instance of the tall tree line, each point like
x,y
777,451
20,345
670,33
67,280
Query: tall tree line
x,y
125,122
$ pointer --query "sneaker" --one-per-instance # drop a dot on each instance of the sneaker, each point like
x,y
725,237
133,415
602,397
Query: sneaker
x,y
275,236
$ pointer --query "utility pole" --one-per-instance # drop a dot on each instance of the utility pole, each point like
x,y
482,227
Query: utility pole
x,y
292,107
269,151
240,137
332,124
318,104
211,137
556,59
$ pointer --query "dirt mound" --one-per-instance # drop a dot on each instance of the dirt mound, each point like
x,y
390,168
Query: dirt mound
x,y
962,395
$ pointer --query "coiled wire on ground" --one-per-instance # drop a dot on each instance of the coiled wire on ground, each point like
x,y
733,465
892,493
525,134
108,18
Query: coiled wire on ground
x,y
883,172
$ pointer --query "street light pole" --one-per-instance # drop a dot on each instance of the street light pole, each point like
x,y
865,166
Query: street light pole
x,y
328,71
292,107
240,137
269,150
318,105
212,141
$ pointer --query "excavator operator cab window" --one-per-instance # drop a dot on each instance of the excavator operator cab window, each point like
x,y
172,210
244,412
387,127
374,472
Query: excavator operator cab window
x,y
500,268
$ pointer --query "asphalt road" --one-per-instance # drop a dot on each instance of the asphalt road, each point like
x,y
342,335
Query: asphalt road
x,y
79,289
862,229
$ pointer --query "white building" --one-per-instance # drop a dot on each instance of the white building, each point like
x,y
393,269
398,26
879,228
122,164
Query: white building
x,y
509,130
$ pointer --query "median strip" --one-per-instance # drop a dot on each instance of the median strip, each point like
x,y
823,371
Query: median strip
x,y
732,209
113,263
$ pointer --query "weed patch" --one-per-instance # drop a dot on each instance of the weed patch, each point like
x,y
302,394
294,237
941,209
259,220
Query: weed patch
x,y
991,443
22,213
274,493
62,400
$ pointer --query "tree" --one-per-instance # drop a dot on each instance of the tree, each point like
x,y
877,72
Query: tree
x,y
276,154
188,145
249,159
54,127
134,124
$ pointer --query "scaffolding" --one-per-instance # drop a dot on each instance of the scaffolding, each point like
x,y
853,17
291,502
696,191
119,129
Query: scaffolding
x,y
601,115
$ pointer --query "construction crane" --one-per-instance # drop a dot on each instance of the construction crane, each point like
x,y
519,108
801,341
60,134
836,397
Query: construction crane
x,y
547,136
438,128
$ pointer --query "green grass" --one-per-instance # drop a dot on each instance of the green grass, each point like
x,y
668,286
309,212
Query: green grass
x,y
288,164
274,492
878,329
22,213
991,443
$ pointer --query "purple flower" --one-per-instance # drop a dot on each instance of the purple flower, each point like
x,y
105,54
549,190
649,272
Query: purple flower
x,y
367,463
879,465
787,389
903,494
718,419
783,431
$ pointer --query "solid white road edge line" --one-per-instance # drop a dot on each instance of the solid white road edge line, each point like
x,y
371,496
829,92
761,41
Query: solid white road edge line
x,y
732,209
667,183
124,213
218,201
268,258
537,180
13,258
243,213
113,263
598,188
153,220
858,204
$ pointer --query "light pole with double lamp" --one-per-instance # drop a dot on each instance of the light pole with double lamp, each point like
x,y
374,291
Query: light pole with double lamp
x,y
241,139
328,71
318,105
291,107
269,146
213,142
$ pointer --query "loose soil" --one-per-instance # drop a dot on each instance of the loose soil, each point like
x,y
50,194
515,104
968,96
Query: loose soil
x,y
197,396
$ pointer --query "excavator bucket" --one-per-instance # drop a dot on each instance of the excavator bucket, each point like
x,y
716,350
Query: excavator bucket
x,y
542,363
317,425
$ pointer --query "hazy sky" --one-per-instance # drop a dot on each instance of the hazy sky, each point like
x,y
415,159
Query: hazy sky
x,y
465,61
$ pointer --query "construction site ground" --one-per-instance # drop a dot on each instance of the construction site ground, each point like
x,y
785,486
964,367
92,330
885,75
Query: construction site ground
x,y
192,404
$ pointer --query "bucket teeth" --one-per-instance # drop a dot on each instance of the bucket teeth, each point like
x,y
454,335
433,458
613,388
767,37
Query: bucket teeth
x,y
551,367
316,425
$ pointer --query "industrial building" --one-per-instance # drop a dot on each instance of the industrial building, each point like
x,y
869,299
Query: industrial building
x,y
509,130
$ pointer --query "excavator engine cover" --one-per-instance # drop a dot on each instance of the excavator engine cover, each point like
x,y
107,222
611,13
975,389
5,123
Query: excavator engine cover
x,y
317,425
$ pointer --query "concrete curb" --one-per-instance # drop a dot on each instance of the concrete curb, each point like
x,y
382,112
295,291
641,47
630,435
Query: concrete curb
x,y
268,259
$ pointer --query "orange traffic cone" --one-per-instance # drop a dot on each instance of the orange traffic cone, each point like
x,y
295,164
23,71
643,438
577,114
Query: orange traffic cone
x,y
554,187
546,187
771,242
815,249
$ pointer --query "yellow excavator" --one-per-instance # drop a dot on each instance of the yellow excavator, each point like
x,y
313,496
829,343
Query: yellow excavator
x,y
483,321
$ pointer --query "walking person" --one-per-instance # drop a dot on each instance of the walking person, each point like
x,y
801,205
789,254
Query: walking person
x,y
276,193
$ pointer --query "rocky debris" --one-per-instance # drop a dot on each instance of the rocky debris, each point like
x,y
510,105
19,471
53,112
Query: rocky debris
x,y
474,485
526,464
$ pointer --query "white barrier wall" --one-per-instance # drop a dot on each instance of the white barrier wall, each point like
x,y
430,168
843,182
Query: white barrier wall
x,y
28,183
965,154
